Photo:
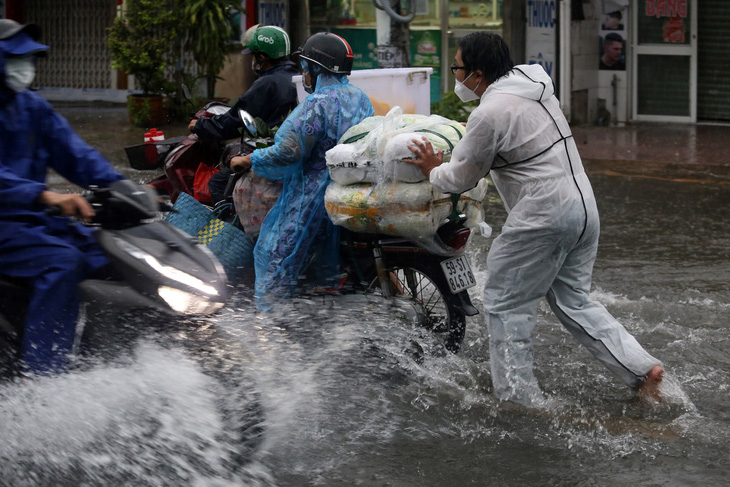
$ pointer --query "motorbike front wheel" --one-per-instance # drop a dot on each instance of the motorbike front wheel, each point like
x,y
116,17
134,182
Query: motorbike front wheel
x,y
428,287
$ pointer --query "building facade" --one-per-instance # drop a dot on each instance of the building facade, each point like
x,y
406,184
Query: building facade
x,y
613,61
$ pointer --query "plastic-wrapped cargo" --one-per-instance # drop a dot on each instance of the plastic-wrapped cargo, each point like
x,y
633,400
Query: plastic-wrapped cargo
x,y
411,210
373,150
375,191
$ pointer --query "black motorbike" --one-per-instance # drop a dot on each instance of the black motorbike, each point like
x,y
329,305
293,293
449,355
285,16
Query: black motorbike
x,y
426,280
430,282
153,268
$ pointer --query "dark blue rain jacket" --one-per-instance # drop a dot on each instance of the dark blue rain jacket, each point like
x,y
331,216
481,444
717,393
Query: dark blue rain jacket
x,y
53,254
34,138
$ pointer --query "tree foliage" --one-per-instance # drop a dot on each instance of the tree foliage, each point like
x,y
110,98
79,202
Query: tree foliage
x,y
141,40
209,29
453,108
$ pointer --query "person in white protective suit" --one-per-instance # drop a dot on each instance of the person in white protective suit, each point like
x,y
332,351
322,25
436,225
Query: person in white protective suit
x,y
549,241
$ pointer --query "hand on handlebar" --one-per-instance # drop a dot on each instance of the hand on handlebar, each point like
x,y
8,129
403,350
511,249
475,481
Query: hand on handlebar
x,y
73,205
241,164
192,124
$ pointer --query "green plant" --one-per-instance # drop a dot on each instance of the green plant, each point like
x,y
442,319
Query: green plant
x,y
140,112
141,39
209,27
453,108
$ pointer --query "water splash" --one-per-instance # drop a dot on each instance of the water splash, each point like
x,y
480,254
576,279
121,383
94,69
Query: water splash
x,y
151,421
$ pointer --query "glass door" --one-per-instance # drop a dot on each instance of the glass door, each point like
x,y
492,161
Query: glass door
x,y
664,60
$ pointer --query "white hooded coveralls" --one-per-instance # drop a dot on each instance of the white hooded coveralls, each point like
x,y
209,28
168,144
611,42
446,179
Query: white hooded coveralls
x,y
549,241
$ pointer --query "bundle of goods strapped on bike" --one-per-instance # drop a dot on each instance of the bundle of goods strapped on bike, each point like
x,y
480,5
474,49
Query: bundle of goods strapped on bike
x,y
375,191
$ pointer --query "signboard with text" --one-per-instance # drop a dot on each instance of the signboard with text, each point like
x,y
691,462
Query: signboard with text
x,y
541,34
274,12
664,22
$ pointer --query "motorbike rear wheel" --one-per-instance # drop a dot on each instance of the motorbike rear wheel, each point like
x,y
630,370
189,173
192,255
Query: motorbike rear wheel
x,y
427,286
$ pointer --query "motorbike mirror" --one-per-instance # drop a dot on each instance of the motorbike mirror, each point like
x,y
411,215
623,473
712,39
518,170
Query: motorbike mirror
x,y
186,94
247,120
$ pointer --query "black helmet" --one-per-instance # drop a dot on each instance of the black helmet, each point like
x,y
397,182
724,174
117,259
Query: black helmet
x,y
330,51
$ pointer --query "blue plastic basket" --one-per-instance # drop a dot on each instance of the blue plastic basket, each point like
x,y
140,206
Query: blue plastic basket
x,y
232,247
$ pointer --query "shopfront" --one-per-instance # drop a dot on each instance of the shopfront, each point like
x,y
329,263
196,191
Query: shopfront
x,y
434,31
681,60
665,56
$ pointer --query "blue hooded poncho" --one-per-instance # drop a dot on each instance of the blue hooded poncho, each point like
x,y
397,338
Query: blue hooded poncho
x,y
297,236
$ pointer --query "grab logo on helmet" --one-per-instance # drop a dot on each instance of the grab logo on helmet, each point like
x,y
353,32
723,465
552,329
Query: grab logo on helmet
x,y
263,38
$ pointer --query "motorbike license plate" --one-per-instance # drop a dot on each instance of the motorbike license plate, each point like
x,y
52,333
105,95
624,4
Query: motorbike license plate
x,y
458,274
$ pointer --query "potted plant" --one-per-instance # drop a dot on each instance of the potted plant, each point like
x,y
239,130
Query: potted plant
x,y
210,30
140,41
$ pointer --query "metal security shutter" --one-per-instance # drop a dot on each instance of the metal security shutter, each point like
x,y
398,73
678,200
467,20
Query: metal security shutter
x,y
713,60
75,30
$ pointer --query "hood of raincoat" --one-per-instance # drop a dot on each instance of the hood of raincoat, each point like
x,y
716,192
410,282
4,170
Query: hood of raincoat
x,y
21,42
325,78
528,81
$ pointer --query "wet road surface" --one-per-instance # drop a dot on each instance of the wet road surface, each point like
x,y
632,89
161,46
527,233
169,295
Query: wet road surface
x,y
342,404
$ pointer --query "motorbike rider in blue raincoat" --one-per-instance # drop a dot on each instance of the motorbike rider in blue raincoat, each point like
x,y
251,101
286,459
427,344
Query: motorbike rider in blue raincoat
x,y
297,236
51,254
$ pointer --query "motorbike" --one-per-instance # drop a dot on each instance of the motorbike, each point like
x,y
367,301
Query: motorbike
x,y
154,268
427,279
180,158
429,288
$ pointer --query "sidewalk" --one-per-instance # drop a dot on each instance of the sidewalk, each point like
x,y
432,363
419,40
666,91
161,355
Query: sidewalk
x,y
673,151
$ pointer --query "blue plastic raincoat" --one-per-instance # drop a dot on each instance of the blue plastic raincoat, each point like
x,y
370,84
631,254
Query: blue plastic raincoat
x,y
297,235
52,253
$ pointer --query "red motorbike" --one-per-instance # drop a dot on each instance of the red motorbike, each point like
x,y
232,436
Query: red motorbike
x,y
188,162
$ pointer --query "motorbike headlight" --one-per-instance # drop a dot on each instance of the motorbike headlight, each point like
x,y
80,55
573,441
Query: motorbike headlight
x,y
166,270
188,303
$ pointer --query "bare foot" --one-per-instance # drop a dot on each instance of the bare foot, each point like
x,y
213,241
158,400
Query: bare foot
x,y
649,390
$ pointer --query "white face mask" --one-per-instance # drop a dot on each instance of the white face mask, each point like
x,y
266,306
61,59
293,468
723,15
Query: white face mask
x,y
19,73
464,93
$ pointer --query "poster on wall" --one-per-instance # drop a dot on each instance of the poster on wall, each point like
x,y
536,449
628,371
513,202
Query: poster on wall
x,y
612,37
541,35
672,14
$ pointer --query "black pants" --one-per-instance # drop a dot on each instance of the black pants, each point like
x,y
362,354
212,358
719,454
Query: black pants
x,y
217,184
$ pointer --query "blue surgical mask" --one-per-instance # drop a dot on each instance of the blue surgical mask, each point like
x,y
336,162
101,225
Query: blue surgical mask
x,y
19,72
305,70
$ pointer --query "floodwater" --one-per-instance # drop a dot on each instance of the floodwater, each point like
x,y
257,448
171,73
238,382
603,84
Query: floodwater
x,y
323,395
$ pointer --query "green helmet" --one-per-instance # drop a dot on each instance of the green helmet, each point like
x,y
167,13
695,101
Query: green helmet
x,y
267,39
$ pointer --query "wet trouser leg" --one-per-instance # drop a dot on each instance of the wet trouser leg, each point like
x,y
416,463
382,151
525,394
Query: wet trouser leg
x,y
54,265
525,265
521,266
591,324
